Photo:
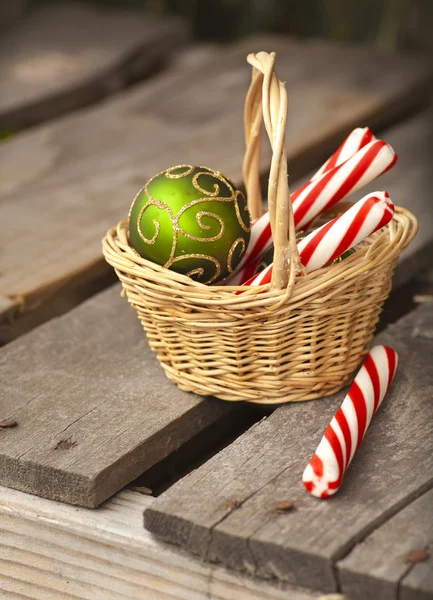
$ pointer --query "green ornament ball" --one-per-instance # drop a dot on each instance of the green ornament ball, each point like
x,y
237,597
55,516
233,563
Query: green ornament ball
x,y
191,220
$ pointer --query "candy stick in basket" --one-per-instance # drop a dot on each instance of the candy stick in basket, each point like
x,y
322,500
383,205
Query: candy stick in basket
x,y
324,473
261,235
330,241
323,192
357,139
335,184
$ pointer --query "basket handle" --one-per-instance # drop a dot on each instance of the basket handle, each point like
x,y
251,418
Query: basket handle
x,y
267,99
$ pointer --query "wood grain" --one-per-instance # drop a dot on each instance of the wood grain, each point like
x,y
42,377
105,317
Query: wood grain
x,y
51,550
94,408
377,568
83,171
264,467
418,583
62,56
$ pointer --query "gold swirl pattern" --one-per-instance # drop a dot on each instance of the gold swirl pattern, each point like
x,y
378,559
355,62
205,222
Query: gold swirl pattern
x,y
242,223
198,270
223,192
169,172
162,206
216,187
198,218
233,247
260,267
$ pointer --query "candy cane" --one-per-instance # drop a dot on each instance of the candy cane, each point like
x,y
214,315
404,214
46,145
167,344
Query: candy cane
x,y
325,190
260,239
335,184
330,241
356,140
324,473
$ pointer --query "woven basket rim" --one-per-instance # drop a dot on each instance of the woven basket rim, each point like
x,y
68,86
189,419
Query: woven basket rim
x,y
383,246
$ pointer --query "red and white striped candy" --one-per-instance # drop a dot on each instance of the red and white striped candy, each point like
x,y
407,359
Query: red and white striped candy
x,y
335,184
337,236
329,186
325,471
357,139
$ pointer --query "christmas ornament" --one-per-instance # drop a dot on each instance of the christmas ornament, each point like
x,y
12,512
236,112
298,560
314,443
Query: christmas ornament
x,y
325,244
191,220
324,473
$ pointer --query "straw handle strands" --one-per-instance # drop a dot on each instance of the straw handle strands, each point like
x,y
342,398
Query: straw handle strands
x,y
272,91
324,473
337,236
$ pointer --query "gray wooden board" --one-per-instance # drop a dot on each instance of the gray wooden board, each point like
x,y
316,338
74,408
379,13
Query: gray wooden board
x,y
94,409
81,172
418,583
264,466
52,551
61,56
377,568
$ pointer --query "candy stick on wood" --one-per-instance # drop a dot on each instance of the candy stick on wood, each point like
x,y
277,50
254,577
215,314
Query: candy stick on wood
x,y
330,241
325,471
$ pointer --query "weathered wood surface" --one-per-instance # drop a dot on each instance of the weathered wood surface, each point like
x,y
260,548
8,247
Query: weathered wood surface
x,y
264,467
378,567
94,408
62,56
82,171
418,583
50,551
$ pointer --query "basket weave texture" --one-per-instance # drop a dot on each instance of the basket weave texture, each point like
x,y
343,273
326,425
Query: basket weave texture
x,y
299,338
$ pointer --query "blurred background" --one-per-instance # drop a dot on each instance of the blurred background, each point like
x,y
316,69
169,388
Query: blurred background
x,y
390,25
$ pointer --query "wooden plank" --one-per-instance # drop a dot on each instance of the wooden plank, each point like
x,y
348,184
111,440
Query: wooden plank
x,y
418,583
94,408
265,465
65,55
7,308
50,550
67,296
82,171
378,568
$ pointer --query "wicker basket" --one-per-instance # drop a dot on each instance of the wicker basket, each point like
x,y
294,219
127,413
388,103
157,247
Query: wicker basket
x,y
299,338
